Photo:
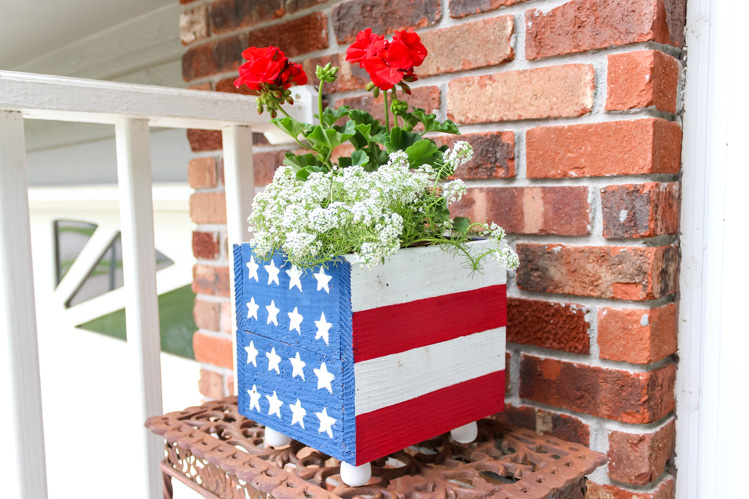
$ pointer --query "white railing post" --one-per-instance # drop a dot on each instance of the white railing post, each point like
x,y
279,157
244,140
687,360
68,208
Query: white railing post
x,y
141,309
17,308
239,180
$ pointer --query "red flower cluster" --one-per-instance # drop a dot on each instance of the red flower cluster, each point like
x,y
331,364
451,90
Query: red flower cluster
x,y
269,66
387,62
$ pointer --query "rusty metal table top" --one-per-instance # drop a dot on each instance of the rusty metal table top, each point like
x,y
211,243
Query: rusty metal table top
x,y
220,453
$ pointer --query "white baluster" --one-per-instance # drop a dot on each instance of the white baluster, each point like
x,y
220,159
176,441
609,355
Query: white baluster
x,y
142,310
17,309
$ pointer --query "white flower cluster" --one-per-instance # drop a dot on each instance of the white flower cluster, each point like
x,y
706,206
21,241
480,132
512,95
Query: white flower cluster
x,y
342,211
502,253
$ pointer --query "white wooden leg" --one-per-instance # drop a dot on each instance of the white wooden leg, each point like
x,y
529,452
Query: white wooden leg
x,y
18,313
466,434
275,438
139,270
356,476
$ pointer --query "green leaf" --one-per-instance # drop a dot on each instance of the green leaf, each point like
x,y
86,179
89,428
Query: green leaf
x,y
330,116
326,139
359,158
301,160
400,140
422,152
461,224
377,157
290,126
430,122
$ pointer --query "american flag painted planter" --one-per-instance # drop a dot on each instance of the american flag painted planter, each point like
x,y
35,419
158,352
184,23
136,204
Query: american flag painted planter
x,y
359,363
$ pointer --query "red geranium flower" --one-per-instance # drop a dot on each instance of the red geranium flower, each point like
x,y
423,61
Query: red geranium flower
x,y
268,66
413,43
367,44
388,67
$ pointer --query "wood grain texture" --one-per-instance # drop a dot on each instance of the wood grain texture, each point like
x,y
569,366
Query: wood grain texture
x,y
393,379
418,273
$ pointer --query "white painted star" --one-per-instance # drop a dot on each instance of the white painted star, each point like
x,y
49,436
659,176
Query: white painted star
x,y
295,319
252,308
252,266
273,360
326,422
297,364
275,404
251,354
254,398
323,328
297,413
272,272
294,274
324,377
322,280
272,313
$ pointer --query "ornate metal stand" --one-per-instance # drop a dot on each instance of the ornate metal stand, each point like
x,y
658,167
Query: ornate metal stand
x,y
220,453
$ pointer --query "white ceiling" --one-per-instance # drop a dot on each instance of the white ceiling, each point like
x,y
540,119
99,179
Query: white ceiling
x,y
31,28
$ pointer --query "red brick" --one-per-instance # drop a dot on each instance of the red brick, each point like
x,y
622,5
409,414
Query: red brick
x,y
427,98
204,140
230,15
464,46
640,210
200,86
211,58
211,384
295,5
201,173
463,8
598,391
522,417
529,210
493,154
640,458
227,85
193,25
642,79
208,207
582,25
185,2
556,326
568,428
206,314
227,321
633,147
265,164
550,92
213,349
296,37
622,273
205,245
230,386
384,16
210,280
637,336
603,491
350,76
508,381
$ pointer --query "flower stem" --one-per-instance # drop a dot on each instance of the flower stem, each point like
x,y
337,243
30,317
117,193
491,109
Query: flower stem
x,y
319,102
387,112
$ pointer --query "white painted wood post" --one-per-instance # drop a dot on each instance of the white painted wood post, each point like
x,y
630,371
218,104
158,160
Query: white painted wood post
x,y
239,181
18,311
141,309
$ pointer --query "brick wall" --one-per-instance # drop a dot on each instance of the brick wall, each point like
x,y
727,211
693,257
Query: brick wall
x,y
573,109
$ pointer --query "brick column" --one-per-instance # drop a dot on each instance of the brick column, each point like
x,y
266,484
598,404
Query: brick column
x,y
573,112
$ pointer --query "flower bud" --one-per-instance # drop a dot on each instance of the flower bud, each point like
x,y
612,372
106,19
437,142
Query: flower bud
x,y
376,92
273,113
290,101
259,108
405,88
370,86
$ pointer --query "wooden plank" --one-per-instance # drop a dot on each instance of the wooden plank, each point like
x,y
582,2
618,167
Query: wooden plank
x,y
18,312
91,101
141,310
419,273
399,377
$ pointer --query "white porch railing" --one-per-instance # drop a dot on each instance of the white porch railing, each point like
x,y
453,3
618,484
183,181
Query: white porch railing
x,y
132,109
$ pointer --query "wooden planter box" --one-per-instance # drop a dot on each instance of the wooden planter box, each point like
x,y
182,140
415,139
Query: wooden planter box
x,y
359,363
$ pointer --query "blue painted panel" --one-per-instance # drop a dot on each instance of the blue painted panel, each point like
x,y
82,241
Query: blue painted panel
x,y
288,388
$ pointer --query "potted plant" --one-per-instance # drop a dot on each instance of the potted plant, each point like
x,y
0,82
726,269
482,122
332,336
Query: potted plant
x,y
368,319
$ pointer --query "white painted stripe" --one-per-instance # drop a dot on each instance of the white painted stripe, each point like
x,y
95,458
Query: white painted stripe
x,y
393,379
419,273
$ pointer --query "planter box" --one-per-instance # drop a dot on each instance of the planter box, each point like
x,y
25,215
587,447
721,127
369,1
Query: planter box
x,y
359,363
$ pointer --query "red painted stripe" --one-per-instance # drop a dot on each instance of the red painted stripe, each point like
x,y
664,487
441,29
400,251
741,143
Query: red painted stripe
x,y
380,432
397,328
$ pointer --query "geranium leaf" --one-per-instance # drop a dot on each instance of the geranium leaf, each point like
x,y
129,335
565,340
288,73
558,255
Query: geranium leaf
x,y
290,126
430,122
461,224
359,158
325,139
400,140
422,152
330,116
301,160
